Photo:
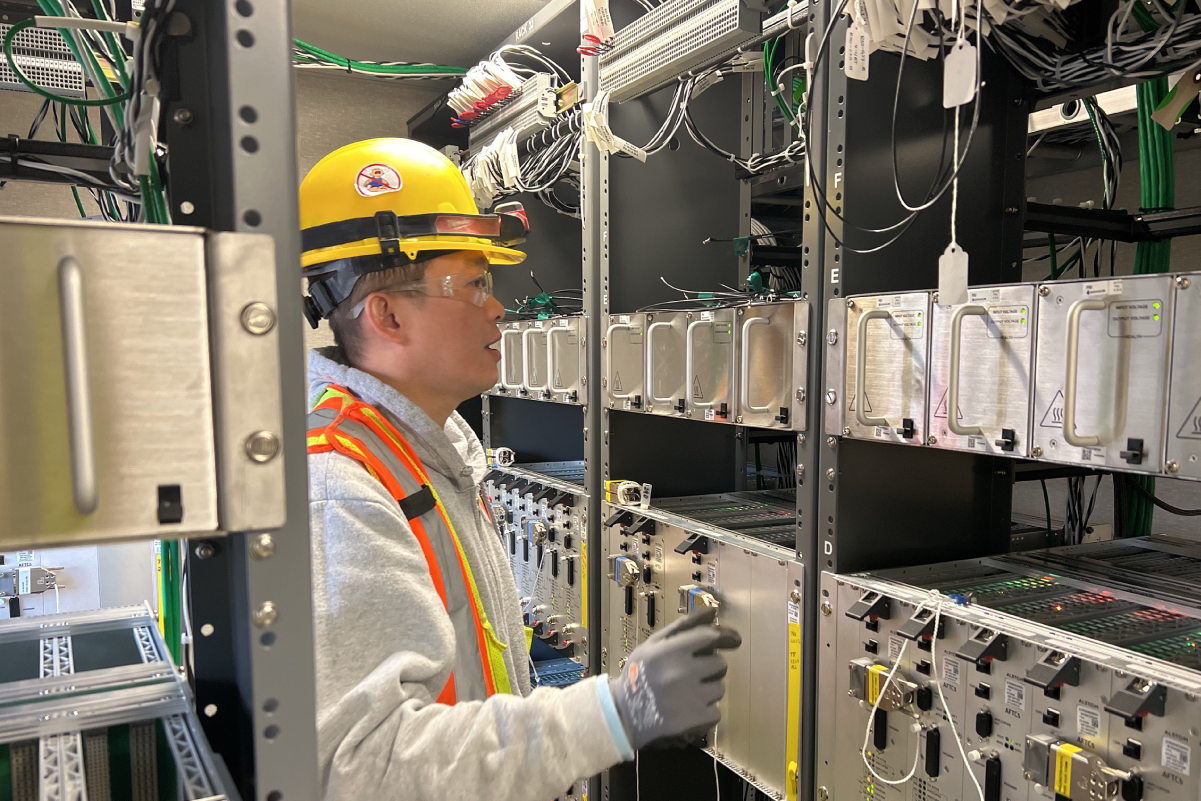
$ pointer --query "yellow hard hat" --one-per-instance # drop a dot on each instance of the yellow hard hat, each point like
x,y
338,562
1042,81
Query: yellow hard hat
x,y
384,203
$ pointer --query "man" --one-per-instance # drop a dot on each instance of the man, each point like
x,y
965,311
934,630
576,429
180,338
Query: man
x,y
423,688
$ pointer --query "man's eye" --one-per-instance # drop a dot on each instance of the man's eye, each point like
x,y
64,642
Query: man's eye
x,y
479,283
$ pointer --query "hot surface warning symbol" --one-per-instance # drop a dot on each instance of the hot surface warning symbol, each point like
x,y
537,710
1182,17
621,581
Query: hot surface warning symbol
x,y
867,401
1054,416
941,409
616,382
697,394
558,378
1191,429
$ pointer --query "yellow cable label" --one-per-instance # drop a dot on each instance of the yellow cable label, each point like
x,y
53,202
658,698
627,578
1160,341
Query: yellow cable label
x,y
793,732
876,679
1063,769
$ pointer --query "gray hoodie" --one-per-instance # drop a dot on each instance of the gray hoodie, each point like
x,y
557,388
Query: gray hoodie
x,y
385,645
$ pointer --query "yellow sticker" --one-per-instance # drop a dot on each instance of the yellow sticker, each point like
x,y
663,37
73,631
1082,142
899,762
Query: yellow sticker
x,y
793,732
874,675
1063,768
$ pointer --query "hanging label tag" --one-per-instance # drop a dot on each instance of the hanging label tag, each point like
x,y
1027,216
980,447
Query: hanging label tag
x,y
857,53
959,75
952,276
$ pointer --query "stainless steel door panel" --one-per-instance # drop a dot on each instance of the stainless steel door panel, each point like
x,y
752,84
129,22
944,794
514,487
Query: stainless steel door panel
x,y
1119,393
624,345
105,383
709,364
512,359
771,345
996,353
665,362
893,364
733,589
771,588
535,375
565,360
1184,402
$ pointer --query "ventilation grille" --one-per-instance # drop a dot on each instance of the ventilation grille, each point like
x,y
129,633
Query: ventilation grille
x,y
1008,591
678,36
1145,625
1061,609
45,59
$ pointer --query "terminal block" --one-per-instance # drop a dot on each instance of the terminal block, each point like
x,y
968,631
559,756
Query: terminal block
x,y
693,597
623,570
1070,771
869,679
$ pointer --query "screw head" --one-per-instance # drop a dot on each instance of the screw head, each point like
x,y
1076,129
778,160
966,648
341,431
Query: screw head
x,y
800,471
800,394
738,419
183,116
258,318
1036,451
831,397
831,441
801,439
846,431
795,596
262,447
204,550
802,338
931,440
827,610
830,473
688,413
1183,281
850,303
1043,291
1173,467
262,547
265,616
823,793
604,382
832,336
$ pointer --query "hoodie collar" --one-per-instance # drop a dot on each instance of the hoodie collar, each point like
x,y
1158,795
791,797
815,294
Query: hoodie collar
x,y
452,451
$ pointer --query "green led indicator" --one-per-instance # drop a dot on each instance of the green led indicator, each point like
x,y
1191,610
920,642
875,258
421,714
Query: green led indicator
x,y
1155,316
1156,304
1023,319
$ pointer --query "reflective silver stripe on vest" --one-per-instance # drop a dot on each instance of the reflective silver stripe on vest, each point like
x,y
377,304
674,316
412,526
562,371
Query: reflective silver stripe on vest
x,y
469,671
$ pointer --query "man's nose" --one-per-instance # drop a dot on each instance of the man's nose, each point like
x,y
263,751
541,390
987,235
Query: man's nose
x,y
494,308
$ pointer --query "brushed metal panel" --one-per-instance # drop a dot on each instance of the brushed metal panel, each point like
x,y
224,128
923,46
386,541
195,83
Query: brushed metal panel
x,y
564,345
895,365
995,365
246,382
624,362
733,589
771,358
149,381
770,588
535,373
710,335
835,337
512,359
665,382
1123,361
1184,402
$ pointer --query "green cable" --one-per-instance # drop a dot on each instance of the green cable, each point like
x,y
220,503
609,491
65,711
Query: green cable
x,y
57,98
378,69
113,45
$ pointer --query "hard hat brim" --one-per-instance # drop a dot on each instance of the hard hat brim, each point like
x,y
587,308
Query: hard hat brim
x,y
412,248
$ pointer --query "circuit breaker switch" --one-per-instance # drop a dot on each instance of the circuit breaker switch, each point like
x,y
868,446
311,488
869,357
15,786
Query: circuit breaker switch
x,y
1070,771
623,570
869,680
693,597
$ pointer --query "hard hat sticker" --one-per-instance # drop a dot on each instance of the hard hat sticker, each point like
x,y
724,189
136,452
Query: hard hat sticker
x,y
377,179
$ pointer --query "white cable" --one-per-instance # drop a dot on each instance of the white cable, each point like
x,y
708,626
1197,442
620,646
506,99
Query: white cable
x,y
871,719
716,778
57,608
637,777
938,601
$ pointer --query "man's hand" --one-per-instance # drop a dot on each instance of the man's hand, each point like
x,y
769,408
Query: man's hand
x,y
670,685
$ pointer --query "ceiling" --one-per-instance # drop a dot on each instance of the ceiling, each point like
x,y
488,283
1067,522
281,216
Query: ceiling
x,y
458,32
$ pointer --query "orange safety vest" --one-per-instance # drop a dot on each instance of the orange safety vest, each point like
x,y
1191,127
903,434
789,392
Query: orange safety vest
x,y
341,422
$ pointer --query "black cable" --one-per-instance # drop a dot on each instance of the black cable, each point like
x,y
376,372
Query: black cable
x,y
1167,507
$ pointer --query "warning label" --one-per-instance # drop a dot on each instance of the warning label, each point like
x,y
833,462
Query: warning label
x,y
1191,428
867,402
1135,319
616,382
697,393
940,411
1177,756
1054,415
907,323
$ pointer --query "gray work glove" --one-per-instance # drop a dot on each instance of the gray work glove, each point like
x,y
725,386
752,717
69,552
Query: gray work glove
x,y
670,685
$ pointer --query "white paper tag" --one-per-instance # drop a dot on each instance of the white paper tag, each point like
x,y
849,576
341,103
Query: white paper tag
x,y
950,671
794,612
895,644
1088,721
959,75
1177,756
952,276
1015,695
711,574
856,61
24,587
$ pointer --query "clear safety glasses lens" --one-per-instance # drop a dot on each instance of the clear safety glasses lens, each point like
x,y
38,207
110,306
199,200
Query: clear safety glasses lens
x,y
475,290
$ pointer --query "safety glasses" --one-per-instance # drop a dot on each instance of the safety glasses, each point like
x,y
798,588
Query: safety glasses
x,y
473,288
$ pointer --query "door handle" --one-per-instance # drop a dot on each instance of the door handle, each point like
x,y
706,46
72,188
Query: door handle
x,y
609,339
551,363
650,363
526,361
861,414
72,304
1075,312
953,381
504,368
689,360
746,367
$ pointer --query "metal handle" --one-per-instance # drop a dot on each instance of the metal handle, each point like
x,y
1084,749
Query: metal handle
x,y
861,369
1075,311
504,367
650,363
609,338
79,397
550,350
746,367
688,363
953,381
526,361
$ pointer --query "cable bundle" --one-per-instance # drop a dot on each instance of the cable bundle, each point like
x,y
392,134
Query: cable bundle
x,y
547,304
538,165
498,79
307,56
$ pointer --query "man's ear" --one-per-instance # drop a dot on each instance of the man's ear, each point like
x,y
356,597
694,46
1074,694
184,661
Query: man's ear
x,y
383,317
